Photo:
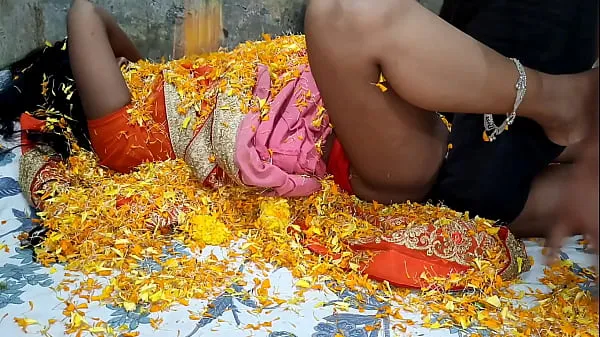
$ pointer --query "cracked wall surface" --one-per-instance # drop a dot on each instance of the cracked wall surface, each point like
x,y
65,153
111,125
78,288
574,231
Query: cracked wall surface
x,y
26,24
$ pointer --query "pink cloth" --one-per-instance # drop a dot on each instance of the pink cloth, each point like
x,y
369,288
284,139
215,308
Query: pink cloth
x,y
280,153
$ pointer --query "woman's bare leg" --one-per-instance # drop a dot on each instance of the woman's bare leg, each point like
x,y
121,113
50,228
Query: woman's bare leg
x,y
95,41
436,67
395,148
394,143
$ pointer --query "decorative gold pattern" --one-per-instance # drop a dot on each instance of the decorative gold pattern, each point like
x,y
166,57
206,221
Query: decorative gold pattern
x,y
214,144
228,117
193,146
457,241
31,163
518,255
180,136
218,179
39,166
199,153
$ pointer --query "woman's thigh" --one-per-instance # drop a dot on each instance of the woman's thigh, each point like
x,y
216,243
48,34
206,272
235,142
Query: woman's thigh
x,y
395,149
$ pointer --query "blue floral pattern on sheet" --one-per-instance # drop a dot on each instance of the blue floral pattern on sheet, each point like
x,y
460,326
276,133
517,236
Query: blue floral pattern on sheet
x,y
281,334
458,332
10,293
15,278
348,325
225,303
131,319
22,280
6,157
24,256
26,221
9,187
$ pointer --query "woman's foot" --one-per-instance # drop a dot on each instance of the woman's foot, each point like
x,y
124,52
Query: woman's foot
x,y
574,107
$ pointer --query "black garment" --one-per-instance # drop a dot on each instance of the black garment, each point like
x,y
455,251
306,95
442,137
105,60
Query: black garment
x,y
493,180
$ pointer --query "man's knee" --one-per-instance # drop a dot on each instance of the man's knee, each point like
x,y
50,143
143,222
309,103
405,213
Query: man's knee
x,y
318,12
360,20
349,16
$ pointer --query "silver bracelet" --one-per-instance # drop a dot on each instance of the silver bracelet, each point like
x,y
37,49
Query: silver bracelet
x,y
491,129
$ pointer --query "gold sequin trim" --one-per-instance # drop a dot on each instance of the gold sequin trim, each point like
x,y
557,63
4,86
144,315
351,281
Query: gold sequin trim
x,y
452,242
180,136
196,150
228,117
31,163
518,256
200,152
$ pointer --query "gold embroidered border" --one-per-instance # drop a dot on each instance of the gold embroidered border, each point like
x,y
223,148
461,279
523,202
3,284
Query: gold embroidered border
x,y
32,163
227,120
518,256
180,137
452,242
195,148
199,154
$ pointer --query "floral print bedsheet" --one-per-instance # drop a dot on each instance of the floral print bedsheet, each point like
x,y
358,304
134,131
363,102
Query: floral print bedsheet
x,y
31,302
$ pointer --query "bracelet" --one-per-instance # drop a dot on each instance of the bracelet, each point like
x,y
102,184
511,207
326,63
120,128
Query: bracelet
x,y
491,129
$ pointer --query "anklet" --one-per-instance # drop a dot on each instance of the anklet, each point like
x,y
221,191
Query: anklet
x,y
491,129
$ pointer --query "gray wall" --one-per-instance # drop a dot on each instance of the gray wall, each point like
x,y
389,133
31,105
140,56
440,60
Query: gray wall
x,y
26,24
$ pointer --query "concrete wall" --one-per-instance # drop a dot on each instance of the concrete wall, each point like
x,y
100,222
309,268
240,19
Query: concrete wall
x,y
26,24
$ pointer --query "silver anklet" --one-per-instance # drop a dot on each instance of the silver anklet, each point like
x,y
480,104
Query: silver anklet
x,y
491,129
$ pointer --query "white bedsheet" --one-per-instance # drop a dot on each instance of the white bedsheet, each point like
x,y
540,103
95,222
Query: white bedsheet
x,y
27,292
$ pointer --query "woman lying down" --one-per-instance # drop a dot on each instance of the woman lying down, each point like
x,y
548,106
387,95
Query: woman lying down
x,y
255,117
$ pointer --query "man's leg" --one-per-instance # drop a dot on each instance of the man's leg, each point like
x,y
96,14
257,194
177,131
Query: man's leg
x,y
494,180
564,199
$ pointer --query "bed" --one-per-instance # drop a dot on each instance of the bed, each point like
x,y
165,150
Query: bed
x,y
33,297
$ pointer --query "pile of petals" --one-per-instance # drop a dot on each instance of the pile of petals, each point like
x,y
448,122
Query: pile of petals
x,y
199,80
103,225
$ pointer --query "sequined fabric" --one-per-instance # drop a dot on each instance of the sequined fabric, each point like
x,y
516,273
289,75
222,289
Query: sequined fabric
x,y
226,123
456,244
193,146
180,136
451,242
34,171
199,154
519,261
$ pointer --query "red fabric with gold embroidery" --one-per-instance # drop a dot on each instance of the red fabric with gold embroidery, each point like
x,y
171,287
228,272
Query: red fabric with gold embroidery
x,y
404,256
